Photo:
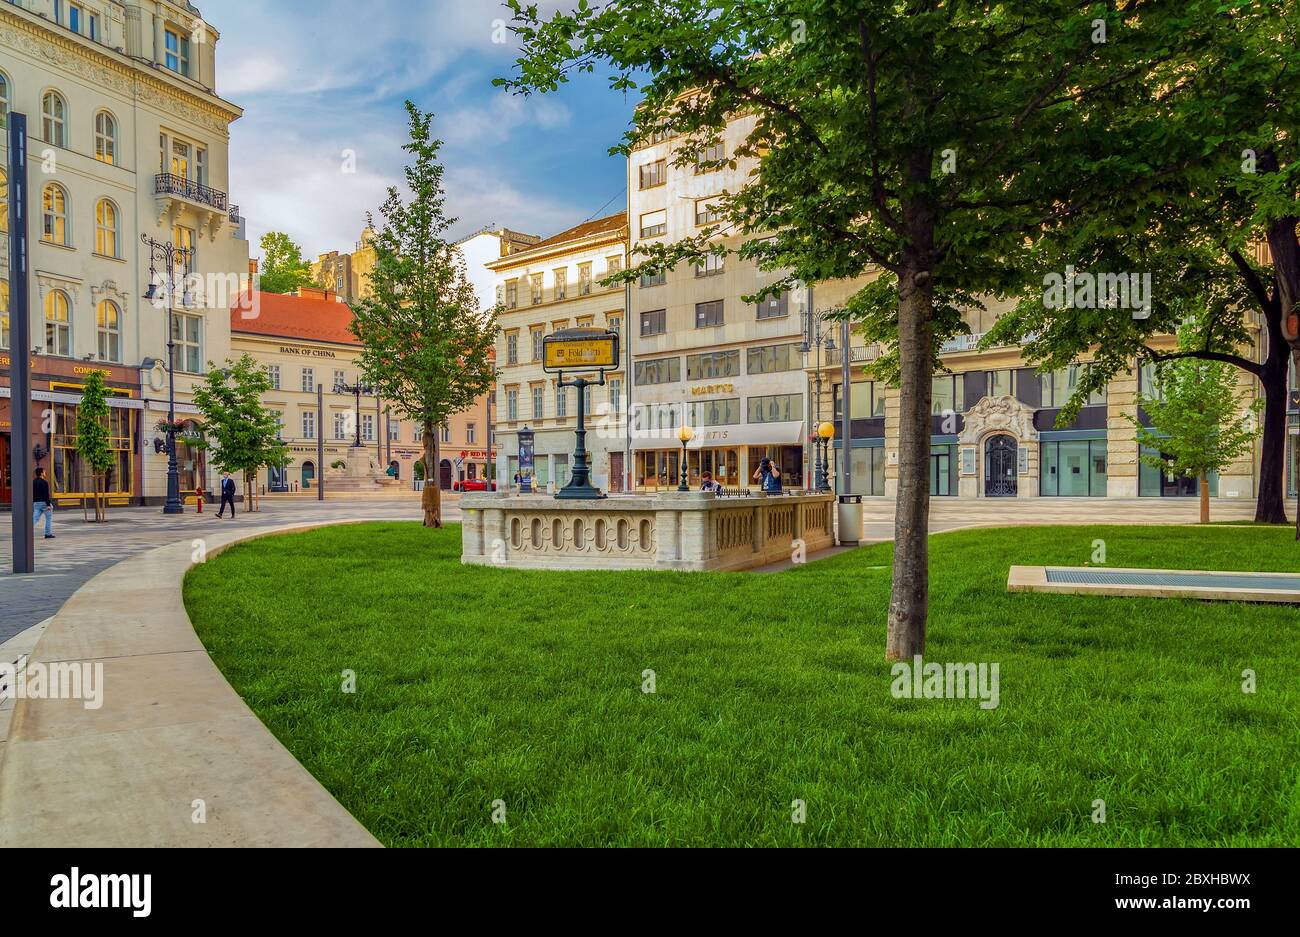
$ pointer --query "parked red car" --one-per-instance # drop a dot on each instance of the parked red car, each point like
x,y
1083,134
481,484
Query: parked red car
x,y
473,484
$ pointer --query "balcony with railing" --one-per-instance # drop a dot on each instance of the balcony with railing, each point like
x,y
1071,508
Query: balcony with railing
x,y
175,195
167,184
858,354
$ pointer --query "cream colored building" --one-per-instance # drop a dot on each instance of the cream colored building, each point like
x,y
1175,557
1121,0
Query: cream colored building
x,y
127,136
551,285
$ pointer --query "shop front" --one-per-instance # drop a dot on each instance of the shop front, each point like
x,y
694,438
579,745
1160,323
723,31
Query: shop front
x,y
731,454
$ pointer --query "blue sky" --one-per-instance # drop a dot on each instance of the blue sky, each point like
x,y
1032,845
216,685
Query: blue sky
x,y
321,78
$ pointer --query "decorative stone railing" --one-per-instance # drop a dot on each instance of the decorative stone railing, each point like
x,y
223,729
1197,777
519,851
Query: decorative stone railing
x,y
691,531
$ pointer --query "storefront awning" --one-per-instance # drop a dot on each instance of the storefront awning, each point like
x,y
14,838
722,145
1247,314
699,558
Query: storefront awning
x,y
719,437
49,396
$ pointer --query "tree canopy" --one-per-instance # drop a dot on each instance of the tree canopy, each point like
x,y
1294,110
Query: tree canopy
x,y
282,268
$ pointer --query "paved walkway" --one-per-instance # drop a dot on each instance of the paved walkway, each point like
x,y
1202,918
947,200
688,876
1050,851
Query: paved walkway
x,y
81,551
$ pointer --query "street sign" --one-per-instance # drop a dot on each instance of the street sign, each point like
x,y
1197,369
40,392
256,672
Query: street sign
x,y
579,350
460,463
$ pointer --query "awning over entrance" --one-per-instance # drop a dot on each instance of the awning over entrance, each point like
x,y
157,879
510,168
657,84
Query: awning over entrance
x,y
47,396
790,433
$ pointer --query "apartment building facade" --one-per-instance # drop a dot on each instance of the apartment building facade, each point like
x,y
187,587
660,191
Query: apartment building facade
x,y
554,284
127,137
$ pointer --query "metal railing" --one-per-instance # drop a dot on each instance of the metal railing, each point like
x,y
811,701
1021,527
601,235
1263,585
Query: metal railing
x,y
857,355
167,184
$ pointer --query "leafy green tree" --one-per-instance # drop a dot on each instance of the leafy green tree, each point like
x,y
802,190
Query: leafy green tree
x,y
425,346
241,433
926,141
1201,421
1233,120
92,437
282,269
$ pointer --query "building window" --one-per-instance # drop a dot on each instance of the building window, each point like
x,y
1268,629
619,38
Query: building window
x,y
92,27
615,394
778,408
512,348
512,294
659,371
340,378
368,427
771,359
54,119
868,400
561,401
584,279
707,211
187,333
58,329
394,430
561,284
654,223
1149,383
539,404
613,266
710,154
177,51
724,412
1002,383
615,325
708,314
654,174
309,424
444,432
774,307
471,434
536,288
105,138
106,242
75,16
1059,386
108,321
713,365
4,100
273,372
710,265
308,384
1072,469
54,214
512,404
654,279
69,475
948,394
418,435
654,322
341,425
538,335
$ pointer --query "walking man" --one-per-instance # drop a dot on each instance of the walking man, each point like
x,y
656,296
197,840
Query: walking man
x,y
227,495
41,503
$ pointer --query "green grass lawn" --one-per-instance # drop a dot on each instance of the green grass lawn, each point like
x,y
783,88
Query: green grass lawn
x,y
477,684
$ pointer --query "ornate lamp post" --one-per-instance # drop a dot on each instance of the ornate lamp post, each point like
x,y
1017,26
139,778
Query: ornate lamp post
x,y
819,332
685,434
170,256
356,390
825,433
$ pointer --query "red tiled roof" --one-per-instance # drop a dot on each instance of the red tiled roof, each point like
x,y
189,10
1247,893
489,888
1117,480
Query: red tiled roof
x,y
311,318
584,230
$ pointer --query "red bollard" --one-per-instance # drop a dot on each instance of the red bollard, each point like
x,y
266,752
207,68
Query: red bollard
x,y
198,500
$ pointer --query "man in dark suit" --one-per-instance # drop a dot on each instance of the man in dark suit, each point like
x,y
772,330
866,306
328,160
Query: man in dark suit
x,y
42,506
227,495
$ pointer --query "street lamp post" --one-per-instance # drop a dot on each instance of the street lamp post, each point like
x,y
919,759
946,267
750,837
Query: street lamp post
x,y
825,433
169,256
356,390
685,434
819,332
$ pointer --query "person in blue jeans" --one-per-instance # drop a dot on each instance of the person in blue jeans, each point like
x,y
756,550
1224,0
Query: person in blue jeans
x,y
41,503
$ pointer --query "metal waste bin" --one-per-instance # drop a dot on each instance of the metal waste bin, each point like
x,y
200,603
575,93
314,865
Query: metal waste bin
x,y
850,520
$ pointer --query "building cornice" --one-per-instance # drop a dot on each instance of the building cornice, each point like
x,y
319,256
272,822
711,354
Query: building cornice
x,y
578,246
112,69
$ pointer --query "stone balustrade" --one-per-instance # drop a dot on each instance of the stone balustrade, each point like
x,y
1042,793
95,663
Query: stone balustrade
x,y
691,531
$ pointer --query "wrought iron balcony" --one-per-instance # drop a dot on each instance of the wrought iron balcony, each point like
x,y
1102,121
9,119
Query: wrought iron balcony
x,y
167,184
858,354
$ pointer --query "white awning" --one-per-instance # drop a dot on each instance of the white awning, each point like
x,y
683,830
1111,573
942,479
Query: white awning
x,y
49,396
789,433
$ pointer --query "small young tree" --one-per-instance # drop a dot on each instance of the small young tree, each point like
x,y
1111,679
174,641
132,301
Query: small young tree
x,y
1201,421
242,433
426,347
283,268
92,437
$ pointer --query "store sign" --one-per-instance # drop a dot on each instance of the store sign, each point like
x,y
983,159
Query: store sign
x,y
307,352
705,389
579,349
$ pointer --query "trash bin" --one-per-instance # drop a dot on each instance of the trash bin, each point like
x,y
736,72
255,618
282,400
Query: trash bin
x,y
850,520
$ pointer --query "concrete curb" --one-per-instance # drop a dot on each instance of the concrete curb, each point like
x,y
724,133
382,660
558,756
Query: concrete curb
x,y
172,738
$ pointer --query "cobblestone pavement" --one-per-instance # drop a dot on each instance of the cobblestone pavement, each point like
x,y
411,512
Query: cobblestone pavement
x,y
80,550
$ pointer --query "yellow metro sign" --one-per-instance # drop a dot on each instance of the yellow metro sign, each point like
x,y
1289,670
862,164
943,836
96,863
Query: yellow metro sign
x,y
580,350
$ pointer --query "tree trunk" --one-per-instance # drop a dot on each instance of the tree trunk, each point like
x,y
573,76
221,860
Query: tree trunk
x,y
1285,249
1270,508
909,594
1205,498
432,497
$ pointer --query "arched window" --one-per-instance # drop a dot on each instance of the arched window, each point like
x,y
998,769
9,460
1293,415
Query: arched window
x,y
4,100
106,240
54,119
105,137
54,214
58,329
108,322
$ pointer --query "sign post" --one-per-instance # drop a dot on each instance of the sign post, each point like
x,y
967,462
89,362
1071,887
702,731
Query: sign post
x,y
20,360
580,350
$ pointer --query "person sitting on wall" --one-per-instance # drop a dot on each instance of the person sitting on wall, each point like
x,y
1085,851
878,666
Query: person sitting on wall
x,y
710,485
